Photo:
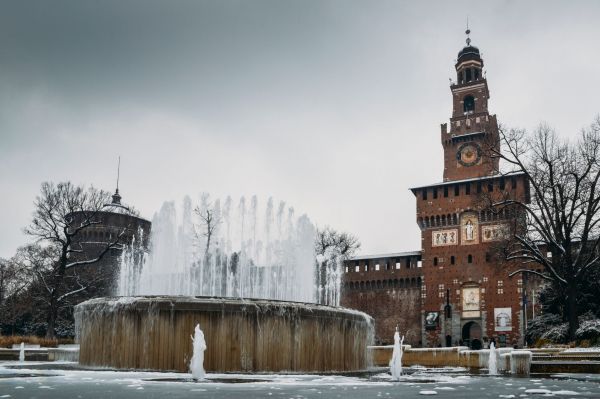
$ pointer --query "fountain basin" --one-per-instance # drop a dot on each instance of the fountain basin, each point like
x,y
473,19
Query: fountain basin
x,y
243,335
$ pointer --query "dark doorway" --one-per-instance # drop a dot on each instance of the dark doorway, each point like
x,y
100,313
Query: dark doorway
x,y
471,335
448,340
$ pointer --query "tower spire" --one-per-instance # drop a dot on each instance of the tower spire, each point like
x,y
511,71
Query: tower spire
x,y
468,32
116,198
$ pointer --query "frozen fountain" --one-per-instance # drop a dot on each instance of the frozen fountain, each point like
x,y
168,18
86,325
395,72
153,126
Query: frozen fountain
x,y
492,360
22,352
247,274
197,362
396,361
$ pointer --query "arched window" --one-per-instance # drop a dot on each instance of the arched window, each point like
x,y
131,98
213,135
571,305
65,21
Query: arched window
x,y
469,104
470,258
435,261
452,260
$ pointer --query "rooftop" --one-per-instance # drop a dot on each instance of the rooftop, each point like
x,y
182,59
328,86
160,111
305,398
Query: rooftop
x,y
389,255
473,179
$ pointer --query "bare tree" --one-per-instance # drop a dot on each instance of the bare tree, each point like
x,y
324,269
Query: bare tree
x,y
342,243
210,220
62,212
13,281
332,249
562,209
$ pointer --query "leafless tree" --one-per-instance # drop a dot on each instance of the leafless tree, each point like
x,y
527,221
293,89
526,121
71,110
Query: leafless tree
x,y
13,281
62,212
210,220
332,249
342,243
562,211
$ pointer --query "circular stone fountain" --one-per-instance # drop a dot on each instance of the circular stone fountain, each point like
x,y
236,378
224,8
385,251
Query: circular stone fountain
x,y
153,333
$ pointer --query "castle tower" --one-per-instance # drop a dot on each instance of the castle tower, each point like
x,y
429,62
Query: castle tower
x,y
466,294
473,130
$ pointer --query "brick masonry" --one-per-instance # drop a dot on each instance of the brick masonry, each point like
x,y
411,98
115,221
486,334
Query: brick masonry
x,y
458,291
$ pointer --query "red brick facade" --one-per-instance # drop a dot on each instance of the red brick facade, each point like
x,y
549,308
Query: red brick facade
x,y
463,293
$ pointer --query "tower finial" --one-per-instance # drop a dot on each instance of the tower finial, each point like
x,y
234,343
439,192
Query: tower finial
x,y
468,32
118,173
116,198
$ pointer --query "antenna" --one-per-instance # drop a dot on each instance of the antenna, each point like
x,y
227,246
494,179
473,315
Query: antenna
x,y
118,172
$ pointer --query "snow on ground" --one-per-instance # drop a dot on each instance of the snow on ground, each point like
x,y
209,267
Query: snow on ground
x,y
55,382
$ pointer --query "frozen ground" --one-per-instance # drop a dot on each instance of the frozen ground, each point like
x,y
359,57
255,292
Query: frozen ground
x,y
57,380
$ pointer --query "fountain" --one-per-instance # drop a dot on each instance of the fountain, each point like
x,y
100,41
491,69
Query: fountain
x,y
396,361
248,275
492,360
22,352
197,362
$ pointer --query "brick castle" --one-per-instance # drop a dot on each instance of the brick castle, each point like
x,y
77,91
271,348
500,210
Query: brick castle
x,y
456,289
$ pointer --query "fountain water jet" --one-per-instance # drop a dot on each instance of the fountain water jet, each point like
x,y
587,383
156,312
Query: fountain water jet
x,y
492,360
197,362
396,361
22,352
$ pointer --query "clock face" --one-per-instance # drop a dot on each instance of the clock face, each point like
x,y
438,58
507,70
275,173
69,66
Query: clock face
x,y
468,154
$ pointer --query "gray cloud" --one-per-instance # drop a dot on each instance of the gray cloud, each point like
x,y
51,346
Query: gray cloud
x,y
334,106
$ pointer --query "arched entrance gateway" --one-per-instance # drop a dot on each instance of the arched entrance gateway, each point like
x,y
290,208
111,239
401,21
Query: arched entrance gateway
x,y
471,335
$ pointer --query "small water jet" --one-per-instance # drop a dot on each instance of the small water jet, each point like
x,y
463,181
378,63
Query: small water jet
x,y
396,361
197,362
22,352
492,360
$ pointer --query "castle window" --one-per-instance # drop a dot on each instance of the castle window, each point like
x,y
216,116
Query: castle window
x,y
346,269
408,263
468,189
469,104
366,266
469,75
398,263
424,194
476,73
456,190
470,258
452,260
490,187
419,263
377,267
445,191
434,192
435,261
478,187
502,184
513,181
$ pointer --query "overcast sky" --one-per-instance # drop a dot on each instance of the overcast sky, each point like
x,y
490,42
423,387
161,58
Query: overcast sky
x,y
333,106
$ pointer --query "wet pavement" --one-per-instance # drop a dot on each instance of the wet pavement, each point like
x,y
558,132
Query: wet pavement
x,y
66,380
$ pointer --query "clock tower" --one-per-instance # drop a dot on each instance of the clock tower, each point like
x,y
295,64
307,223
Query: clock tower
x,y
473,131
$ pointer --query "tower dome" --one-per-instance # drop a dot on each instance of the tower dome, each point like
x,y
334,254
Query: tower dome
x,y
469,53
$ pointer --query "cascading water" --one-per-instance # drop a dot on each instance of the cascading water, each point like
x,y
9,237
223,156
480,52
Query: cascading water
x,y
228,251
396,361
197,362
492,360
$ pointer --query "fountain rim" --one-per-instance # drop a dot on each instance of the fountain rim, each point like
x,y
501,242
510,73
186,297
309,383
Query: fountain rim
x,y
213,303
